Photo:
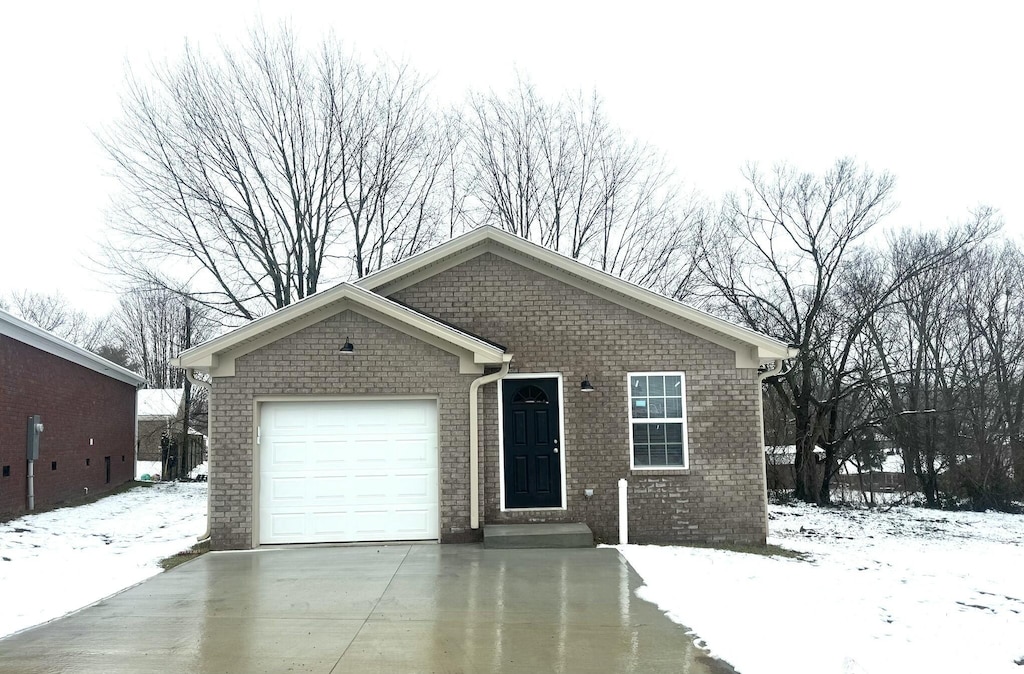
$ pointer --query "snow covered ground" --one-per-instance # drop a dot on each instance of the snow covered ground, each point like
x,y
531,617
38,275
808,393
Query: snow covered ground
x,y
144,468
905,591
59,561
911,590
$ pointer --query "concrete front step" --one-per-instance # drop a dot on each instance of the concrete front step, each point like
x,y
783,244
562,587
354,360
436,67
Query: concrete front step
x,y
507,536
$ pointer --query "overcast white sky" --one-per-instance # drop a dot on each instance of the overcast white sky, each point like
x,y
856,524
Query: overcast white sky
x,y
931,91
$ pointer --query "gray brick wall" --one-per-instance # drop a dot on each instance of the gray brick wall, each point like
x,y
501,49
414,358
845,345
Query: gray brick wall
x,y
387,362
551,326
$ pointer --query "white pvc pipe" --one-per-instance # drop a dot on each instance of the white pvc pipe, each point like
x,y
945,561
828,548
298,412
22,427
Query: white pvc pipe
x,y
623,513
31,485
474,441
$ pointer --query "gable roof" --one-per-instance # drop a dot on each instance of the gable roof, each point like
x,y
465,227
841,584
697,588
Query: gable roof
x,y
159,402
751,347
34,336
217,356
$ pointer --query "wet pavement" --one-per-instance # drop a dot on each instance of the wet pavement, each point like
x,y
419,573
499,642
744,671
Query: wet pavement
x,y
398,608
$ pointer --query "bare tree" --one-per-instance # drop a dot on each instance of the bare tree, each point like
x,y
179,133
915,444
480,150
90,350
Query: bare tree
x,y
152,325
257,174
55,314
775,260
916,381
952,366
559,174
991,298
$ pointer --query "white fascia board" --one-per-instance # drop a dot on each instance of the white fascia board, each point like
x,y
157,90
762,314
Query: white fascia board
x,y
36,337
767,348
203,356
430,256
206,356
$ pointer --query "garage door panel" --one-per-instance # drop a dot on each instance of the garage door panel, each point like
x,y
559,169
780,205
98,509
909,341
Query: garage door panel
x,y
368,487
285,418
417,486
329,453
287,453
283,524
370,450
330,523
348,471
329,488
394,488
418,450
287,490
386,523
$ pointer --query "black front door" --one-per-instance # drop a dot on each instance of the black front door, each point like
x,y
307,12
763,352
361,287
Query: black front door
x,y
533,469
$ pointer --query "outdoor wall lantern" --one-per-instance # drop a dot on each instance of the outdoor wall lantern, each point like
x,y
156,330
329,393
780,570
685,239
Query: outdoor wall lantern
x,y
585,385
347,349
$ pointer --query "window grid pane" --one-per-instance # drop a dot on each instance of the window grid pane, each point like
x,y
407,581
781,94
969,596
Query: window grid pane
x,y
650,400
674,408
640,434
656,405
658,444
656,408
640,408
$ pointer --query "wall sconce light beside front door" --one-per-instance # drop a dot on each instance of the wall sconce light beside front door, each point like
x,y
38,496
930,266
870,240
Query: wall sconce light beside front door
x,y
347,349
585,385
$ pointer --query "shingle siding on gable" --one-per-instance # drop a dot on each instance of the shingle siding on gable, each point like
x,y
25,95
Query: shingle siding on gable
x,y
553,327
307,363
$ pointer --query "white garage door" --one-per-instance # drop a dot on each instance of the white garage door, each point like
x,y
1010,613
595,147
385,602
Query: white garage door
x,y
348,471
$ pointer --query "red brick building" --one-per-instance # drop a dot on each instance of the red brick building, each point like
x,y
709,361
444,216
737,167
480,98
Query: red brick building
x,y
87,406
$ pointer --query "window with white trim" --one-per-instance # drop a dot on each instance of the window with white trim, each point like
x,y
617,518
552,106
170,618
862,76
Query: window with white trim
x,y
657,420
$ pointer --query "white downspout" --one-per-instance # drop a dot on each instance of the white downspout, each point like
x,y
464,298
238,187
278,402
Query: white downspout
x,y
474,440
775,371
189,374
31,486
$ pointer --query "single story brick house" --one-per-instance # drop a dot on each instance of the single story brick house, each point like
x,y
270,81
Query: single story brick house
x,y
86,405
487,380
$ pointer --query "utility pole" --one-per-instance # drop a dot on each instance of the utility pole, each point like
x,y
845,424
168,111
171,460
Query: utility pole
x,y
185,461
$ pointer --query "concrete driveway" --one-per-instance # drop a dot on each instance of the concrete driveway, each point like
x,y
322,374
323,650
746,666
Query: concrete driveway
x,y
397,608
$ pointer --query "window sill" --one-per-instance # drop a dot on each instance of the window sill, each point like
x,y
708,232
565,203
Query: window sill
x,y
654,472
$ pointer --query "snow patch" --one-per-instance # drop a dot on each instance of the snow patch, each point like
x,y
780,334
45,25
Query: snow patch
x,y
56,562
910,590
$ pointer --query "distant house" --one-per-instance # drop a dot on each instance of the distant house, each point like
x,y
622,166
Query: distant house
x,y
780,471
781,475
890,477
161,413
87,408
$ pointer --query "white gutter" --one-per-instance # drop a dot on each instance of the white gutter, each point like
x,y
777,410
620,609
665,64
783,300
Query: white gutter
x,y
774,372
190,375
474,440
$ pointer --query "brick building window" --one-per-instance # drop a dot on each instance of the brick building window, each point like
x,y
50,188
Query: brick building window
x,y
657,420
